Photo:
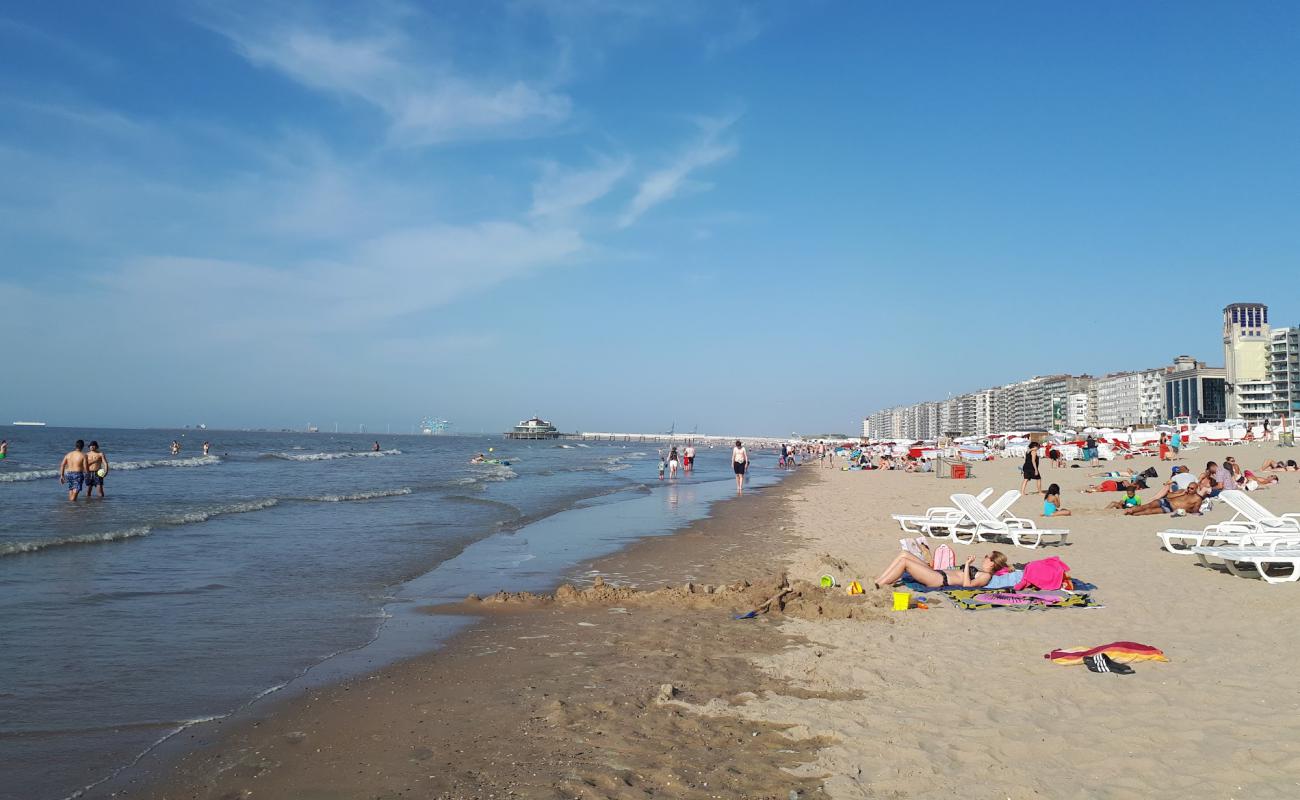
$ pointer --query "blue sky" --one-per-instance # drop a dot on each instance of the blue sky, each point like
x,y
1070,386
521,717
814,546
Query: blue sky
x,y
756,217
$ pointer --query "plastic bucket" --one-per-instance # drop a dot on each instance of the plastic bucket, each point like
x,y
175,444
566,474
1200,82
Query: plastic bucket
x,y
902,600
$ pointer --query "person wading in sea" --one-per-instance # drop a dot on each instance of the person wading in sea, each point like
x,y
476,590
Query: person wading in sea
x,y
95,461
739,465
72,470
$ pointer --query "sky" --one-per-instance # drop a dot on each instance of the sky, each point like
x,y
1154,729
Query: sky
x,y
734,217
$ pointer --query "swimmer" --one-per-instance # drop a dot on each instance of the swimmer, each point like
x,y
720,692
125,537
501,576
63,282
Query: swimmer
x,y
478,459
176,447
4,447
375,447
206,445
72,470
95,463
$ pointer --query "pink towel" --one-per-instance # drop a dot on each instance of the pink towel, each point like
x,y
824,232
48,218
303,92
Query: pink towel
x,y
1046,574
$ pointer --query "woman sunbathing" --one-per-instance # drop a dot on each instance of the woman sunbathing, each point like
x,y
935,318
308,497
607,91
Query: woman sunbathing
x,y
1281,466
968,576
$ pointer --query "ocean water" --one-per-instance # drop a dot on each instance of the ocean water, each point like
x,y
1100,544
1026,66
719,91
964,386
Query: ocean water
x,y
200,584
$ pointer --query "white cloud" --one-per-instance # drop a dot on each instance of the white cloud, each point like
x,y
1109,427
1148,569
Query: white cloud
x,y
666,183
559,192
426,101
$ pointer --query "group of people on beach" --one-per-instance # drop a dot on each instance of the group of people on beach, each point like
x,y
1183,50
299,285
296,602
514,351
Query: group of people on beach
x,y
684,461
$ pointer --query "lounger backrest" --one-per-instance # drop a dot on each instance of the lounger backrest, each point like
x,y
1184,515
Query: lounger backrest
x,y
1246,505
984,495
1000,506
972,508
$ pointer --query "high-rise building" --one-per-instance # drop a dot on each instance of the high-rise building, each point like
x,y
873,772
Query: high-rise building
x,y
1245,359
1284,370
1195,391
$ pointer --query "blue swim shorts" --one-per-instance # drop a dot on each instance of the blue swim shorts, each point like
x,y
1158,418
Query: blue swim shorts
x,y
76,481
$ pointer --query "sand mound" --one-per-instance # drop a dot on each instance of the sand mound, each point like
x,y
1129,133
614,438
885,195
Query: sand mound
x,y
774,595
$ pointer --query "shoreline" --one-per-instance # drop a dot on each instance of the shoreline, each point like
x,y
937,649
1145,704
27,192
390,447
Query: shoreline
x,y
733,538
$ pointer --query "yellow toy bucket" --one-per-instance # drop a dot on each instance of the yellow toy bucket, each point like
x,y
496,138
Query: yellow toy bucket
x,y
902,600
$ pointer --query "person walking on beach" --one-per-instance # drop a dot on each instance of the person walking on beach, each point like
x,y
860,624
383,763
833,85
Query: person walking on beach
x,y
739,465
72,470
1175,442
96,469
673,463
688,463
1089,449
1030,469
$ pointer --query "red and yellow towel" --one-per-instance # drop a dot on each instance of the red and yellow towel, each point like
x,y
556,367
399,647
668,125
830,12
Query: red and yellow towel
x,y
1122,652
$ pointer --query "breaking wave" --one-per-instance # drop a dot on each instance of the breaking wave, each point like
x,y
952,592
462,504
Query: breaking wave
x,y
113,466
333,456
18,548
347,498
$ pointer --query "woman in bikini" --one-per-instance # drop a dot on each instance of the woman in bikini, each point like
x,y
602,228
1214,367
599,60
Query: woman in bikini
x,y
968,576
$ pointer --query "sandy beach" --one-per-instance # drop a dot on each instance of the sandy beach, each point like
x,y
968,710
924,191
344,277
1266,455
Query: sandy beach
x,y
607,693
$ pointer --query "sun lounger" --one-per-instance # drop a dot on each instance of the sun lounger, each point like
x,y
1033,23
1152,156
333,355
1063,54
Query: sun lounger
x,y
980,525
943,514
943,527
1252,560
1252,520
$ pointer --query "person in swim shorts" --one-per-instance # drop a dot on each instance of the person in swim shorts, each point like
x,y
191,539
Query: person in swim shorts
x,y
739,465
4,447
95,461
72,470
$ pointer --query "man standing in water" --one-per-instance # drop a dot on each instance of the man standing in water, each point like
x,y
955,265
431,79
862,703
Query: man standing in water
x,y
96,462
739,465
72,470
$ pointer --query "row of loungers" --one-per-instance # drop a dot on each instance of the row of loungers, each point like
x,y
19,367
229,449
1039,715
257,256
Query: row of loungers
x,y
969,521
1255,543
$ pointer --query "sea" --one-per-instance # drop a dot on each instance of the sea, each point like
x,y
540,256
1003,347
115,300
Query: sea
x,y
203,587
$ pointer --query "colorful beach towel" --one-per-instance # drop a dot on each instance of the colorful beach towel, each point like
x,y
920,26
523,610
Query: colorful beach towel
x,y
979,600
1123,652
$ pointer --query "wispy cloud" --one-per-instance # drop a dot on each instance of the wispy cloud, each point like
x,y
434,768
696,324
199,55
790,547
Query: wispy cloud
x,y
559,192
51,43
709,147
426,101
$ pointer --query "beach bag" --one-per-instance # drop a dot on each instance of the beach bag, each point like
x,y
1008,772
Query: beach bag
x,y
944,558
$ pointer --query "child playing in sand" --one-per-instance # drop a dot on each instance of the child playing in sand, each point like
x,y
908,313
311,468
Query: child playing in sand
x,y
1052,503
1130,500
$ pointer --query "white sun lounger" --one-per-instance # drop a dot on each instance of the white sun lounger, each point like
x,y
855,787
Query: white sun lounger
x,y
920,522
1251,519
980,525
1251,560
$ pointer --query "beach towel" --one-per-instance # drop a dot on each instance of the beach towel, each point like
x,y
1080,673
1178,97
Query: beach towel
x,y
977,600
1122,652
1046,574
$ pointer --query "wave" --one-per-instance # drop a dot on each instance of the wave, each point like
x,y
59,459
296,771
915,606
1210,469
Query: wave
x,y
333,456
18,548
206,514
203,515
347,498
126,466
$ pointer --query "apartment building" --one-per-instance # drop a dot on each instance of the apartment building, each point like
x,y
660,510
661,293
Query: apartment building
x,y
1246,339
1284,370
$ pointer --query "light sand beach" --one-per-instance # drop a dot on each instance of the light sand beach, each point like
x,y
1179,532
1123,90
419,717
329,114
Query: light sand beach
x,y
567,698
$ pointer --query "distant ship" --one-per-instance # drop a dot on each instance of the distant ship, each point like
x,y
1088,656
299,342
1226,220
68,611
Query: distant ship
x,y
31,424
312,428
535,428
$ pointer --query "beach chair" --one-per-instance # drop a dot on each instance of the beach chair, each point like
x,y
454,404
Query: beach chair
x,y
940,515
979,525
1254,557
1251,520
